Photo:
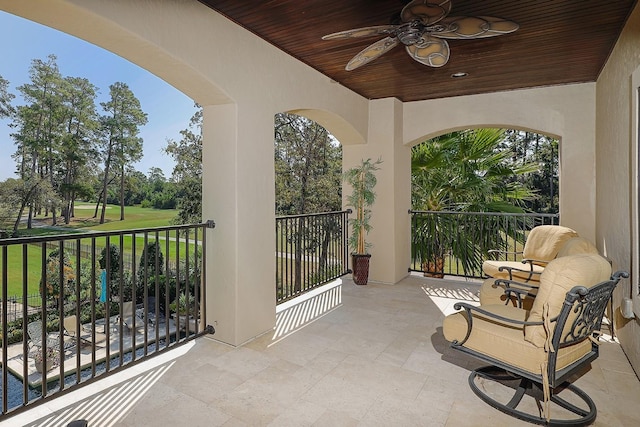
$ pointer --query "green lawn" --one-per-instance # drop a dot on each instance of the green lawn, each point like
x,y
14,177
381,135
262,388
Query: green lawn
x,y
14,269
135,217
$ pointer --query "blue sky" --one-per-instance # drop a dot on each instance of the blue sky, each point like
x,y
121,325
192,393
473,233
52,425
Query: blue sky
x,y
168,110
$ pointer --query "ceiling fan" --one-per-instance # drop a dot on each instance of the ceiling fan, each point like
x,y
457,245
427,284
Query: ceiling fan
x,y
423,28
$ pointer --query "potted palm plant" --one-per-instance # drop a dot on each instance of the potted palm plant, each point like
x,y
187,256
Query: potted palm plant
x,y
362,180
463,171
428,245
183,309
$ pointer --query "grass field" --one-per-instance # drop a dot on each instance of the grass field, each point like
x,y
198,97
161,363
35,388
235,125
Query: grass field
x,y
135,217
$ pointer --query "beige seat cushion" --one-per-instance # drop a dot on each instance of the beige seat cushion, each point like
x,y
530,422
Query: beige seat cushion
x,y
491,294
506,342
543,244
577,245
560,276
544,241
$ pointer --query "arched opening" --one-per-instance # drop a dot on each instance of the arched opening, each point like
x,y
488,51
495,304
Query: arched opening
x,y
70,86
310,225
66,124
475,190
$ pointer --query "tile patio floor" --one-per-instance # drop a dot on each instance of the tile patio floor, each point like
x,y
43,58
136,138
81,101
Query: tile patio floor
x,y
349,356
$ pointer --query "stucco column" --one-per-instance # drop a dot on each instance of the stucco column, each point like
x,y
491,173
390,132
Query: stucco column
x,y
578,173
390,236
238,194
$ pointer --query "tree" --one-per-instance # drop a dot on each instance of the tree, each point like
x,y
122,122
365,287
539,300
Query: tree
x,y
19,194
464,171
308,166
120,142
40,126
6,109
137,188
8,198
308,163
77,151
114,261
9,201
54,288
543,151
187,173
156,180
151,267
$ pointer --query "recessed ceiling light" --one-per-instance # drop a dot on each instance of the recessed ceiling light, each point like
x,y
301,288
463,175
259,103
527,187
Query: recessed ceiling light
x,y
459,75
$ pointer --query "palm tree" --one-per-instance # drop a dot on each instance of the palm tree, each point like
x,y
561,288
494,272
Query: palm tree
x,y
464,171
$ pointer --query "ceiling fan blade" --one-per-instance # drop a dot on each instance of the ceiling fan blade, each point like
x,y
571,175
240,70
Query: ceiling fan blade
x,y
474,27
361,32
429,12
430,51
372,52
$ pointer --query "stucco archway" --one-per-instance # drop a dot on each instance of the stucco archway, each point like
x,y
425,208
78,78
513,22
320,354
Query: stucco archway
x,y
100,31
562,112
339,127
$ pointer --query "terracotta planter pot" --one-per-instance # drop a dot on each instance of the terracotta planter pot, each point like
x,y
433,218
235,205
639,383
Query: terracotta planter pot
x,y
434,269
360,264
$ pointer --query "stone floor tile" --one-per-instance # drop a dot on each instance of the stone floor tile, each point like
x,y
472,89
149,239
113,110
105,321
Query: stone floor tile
x,y
377,358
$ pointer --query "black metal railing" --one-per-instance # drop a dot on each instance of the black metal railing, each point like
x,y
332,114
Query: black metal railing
x,y
456,243
310,250
85,251
133,294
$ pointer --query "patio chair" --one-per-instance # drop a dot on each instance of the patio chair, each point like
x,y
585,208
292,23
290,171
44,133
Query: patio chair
x,y
521,294
536,353
153,317
71,330
542,245
34,330
129,312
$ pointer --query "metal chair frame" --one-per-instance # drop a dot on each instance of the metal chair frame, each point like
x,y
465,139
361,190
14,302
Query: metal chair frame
x,y
587,307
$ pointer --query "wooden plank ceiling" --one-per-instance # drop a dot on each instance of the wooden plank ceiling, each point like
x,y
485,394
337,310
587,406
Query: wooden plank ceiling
x,y
559,42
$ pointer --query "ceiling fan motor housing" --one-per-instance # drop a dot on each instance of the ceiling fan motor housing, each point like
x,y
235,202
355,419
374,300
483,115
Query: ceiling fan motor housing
x,y
410,33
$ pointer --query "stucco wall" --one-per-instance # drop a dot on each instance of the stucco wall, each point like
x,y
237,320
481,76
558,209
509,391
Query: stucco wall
x,y
614,144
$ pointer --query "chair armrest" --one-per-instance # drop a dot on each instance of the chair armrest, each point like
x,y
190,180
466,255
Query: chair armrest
x,y
469,309
531,261
521,289
510,270
519,293
509,283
